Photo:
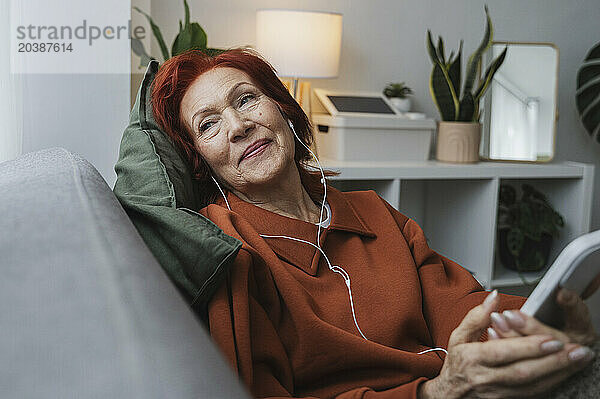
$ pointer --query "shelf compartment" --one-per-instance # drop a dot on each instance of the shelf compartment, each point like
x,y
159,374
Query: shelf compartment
x,y
452,214
504,277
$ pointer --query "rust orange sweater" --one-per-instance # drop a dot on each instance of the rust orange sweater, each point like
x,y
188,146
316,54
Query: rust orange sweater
x,y
283,319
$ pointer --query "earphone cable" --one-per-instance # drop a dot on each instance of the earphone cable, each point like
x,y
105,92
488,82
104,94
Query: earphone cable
x,y
336,269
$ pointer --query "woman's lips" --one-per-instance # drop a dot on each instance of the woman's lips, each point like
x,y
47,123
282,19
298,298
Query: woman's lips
x,y
255,149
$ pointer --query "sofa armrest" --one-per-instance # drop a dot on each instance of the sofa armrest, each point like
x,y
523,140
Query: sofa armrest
x,y
85,309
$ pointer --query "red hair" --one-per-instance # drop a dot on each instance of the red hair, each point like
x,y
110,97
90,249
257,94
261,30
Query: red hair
x,y
177,74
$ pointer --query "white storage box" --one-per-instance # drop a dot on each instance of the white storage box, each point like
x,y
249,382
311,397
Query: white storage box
x,y
354,138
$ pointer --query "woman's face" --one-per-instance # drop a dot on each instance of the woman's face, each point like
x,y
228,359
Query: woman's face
x,y
238,130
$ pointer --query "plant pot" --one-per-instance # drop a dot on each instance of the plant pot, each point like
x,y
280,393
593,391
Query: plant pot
x,y
458,142
527,254
401,104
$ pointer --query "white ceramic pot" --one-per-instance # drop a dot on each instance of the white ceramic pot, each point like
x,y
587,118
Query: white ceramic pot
x,y
401,104
458,142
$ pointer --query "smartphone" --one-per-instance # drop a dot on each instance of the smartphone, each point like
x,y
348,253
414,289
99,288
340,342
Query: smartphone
x,y
574,268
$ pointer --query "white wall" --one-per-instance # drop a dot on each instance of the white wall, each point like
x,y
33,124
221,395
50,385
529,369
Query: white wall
x,y
85,113
384,41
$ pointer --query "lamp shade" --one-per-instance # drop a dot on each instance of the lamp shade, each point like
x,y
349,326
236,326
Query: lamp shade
x,y
300,44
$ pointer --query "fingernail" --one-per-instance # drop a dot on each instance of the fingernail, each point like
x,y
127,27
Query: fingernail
x,y
490,298
583,353
492,334
500,322
552,346
514,318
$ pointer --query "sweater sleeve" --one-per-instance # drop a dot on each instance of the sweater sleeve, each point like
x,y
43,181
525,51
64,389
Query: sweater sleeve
x,y
449,291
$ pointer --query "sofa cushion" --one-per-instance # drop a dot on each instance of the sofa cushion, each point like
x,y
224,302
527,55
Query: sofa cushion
x,y
155,186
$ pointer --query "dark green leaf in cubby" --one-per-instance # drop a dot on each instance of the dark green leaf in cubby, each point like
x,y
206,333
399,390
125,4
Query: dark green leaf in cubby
x,y
514,240
508,194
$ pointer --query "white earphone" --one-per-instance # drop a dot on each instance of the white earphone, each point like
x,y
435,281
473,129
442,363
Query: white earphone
x,y
334,268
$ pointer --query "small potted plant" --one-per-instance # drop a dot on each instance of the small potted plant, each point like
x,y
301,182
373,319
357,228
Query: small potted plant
x,y
459,132
526,228
399,93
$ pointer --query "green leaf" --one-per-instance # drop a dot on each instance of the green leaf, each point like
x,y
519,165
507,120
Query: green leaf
x,y
531,261
138,48
431,49
192,36
489,74
588,92
514,242
440,85
476,112
528,223
467,108
187,13
442,93
508,194
440,50
454,70
214,51
157,34
475,58
558,219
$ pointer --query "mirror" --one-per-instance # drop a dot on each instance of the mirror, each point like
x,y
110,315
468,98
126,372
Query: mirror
x,y
520,107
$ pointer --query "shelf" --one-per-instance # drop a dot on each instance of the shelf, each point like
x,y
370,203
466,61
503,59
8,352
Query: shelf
x,y
456,204
441,170
504,277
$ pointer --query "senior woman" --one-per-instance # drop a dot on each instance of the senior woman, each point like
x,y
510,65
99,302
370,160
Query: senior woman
x,y
338,298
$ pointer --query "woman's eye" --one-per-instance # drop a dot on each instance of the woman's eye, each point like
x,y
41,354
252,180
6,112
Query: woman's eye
x,y
205,126
246,98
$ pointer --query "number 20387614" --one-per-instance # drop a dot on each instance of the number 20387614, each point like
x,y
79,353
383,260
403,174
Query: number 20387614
x,y
44,47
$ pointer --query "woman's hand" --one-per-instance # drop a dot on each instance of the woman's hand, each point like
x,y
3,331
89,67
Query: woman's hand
x,y
578,326
511,367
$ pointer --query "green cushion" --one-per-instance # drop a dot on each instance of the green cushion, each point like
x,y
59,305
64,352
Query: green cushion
x,y
155,187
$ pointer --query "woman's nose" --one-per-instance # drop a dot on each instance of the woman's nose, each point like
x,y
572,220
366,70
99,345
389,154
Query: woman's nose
x,y
239,126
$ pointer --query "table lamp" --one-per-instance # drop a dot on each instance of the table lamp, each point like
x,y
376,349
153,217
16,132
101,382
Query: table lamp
x,y
300,44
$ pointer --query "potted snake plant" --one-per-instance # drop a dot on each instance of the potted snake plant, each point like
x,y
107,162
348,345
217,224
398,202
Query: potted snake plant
x,y
459,131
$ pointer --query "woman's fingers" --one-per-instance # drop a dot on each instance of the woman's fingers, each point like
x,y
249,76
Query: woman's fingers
x,y
576,311
569,360
578,323
492,334
548,382
475,322
509,350
501,326
526,325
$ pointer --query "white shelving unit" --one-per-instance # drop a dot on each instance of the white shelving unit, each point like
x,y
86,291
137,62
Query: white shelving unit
x,y
457,204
